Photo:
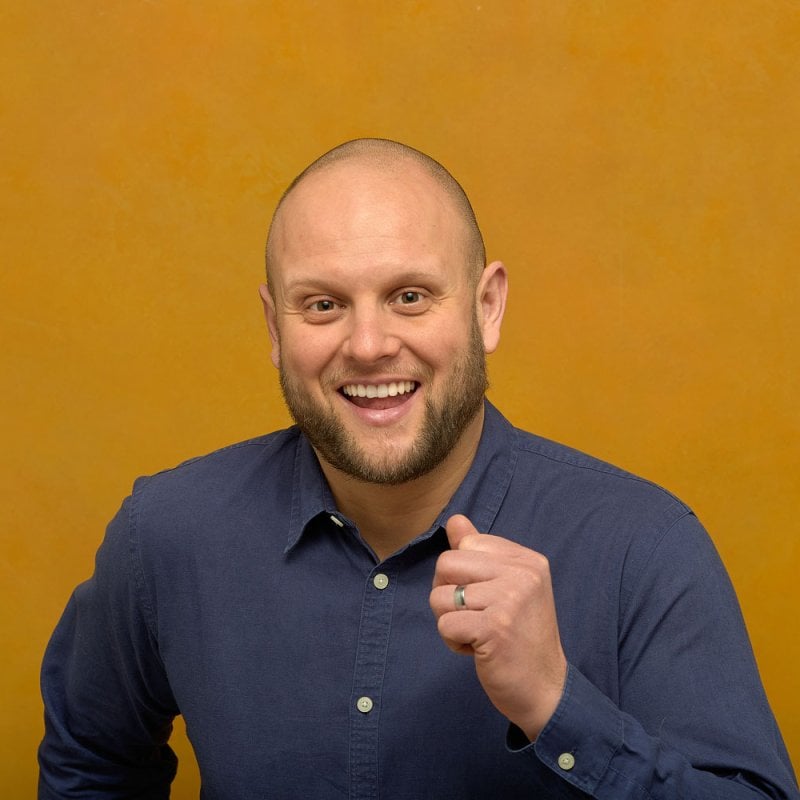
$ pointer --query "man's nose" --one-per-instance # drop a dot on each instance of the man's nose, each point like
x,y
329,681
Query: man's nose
x,y
371,337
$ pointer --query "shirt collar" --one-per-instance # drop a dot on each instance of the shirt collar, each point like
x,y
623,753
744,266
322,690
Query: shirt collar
x,y
311,495
479,496
484,487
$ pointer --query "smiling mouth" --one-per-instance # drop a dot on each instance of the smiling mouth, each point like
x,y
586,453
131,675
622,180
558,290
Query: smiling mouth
x,y
379,396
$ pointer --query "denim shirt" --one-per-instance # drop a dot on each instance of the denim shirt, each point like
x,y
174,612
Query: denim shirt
x,y
232,591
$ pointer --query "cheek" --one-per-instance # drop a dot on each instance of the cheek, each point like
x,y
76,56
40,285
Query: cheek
x,y
442,348
306,356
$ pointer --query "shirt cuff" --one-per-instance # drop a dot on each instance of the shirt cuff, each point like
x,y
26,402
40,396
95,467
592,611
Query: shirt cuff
x,y
581,737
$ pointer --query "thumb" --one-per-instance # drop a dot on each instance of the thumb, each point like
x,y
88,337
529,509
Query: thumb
x,y
457,527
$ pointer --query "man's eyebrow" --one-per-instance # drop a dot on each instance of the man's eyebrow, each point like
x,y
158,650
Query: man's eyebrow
x,y
323,283
415,277
305,282
310,284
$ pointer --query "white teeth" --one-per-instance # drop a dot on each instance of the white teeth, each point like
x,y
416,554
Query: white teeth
x,y
378,390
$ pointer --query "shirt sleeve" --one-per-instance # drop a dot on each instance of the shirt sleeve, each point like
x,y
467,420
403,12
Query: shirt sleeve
x,y
692,721
108,705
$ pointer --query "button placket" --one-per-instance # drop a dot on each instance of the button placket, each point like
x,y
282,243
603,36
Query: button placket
x,y
370,668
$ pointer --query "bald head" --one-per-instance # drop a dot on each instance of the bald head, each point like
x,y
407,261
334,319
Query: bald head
x,y
391,157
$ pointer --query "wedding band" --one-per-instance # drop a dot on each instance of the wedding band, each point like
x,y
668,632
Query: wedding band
x,y
458,597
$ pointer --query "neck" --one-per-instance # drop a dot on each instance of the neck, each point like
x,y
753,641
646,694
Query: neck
x,y
390,516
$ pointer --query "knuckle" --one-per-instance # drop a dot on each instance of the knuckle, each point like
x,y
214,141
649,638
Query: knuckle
x,y
444,626
444,562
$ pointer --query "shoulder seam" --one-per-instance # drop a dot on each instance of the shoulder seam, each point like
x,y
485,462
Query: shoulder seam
x,y
258,441
656,544
603,468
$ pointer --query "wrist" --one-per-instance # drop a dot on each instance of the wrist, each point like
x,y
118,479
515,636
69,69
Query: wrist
x,y
547,702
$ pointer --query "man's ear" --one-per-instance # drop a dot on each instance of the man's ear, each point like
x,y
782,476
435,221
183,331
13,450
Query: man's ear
x,y
491,297
272,323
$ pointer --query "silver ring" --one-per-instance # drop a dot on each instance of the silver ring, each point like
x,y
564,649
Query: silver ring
x,y
458,598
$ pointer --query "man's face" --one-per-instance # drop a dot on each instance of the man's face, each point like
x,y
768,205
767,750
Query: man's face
x,y
375,325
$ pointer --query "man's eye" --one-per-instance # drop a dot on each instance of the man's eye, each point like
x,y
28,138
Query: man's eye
x,y
322,310
411,302
322,305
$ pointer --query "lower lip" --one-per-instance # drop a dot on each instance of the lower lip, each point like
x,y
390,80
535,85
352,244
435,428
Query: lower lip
x,y
383,416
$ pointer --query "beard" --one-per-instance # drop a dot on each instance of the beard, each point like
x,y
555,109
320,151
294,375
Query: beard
x,y
445,420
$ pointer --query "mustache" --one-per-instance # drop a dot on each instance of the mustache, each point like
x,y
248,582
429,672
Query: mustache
x,y
341,376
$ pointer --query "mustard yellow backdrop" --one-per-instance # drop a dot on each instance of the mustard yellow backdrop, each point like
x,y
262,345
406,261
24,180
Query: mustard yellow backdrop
x,y
635,164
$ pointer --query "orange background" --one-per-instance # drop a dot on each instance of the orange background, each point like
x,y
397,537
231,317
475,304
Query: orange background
x,y
635,164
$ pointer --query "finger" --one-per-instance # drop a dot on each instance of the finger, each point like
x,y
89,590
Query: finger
x,y
457,647
465,566
442,599
490,560
463,535
457,527
461,630
489,543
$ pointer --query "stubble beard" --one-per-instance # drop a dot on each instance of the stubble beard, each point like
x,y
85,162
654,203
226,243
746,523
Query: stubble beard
x,y
444,422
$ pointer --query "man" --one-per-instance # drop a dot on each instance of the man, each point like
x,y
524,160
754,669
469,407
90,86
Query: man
x,y
278,593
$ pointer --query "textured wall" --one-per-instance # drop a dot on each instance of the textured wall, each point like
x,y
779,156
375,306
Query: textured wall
x,y
635,164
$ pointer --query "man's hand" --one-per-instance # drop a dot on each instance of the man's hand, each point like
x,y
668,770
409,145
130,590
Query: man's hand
x,y
508,624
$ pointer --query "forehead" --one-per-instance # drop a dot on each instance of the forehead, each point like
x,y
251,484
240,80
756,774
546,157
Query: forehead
x,y
362,210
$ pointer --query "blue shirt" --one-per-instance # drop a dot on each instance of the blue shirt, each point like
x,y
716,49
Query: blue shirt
x,y
232,591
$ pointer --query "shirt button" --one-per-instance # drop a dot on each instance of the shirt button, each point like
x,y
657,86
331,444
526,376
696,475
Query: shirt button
x,y
566,761
380,581
364,705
